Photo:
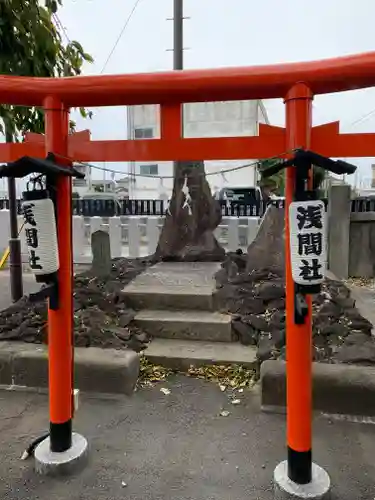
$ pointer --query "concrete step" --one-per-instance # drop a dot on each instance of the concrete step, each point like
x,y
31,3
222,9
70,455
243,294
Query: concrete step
x,y
181,354
169,298
173,285
188,325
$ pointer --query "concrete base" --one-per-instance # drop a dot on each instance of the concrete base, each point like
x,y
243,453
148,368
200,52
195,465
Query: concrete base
x,y
181,354
285,489
337,388
48,463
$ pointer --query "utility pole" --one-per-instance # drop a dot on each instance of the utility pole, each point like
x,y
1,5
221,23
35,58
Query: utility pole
x,y
178,46
178,34
178,51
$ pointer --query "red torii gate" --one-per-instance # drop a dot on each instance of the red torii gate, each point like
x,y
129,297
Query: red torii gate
x,y
271,141
296,83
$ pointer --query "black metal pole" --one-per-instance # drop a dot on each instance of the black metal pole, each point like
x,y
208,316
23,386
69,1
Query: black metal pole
x,y
178,48
15,260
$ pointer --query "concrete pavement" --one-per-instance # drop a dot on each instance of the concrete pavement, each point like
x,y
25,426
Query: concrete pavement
x,y
154,446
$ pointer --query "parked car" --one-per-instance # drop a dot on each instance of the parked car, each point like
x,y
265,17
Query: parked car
x,y
243,195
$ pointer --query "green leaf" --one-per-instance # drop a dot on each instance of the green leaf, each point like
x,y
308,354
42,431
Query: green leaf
x,y
32,45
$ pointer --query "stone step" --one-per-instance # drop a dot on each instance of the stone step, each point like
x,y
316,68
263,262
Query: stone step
x,y
188,325
169,298
172,285
181,354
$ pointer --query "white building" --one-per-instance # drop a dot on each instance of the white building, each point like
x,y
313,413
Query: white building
x,y
88,186
207,119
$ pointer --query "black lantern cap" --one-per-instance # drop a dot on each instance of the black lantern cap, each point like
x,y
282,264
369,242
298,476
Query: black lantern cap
x,y
304,158
27,165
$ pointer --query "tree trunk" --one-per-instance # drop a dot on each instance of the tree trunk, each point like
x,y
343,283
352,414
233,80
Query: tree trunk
x,y
192,217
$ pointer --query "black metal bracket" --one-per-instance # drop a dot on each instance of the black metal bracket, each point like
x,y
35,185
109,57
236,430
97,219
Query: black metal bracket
x,y
301,309
49,168
302,160
50,292
26,165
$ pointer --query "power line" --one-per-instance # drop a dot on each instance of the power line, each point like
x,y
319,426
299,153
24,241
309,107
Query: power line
x,y
362,118
60,25
120,35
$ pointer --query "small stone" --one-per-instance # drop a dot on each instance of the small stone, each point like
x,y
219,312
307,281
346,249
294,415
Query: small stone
x,y
277,321
319,340
344,302
254,306
236,402
271,291
126,318
165,391
277,304
258,323
224,413
358,354
142,337
247,334
265,348
330,309
336,329
353,314
356,338
121,333
361,324
279,338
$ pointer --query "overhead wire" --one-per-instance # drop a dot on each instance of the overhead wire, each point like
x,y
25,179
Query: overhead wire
x,y
61,26
125,25
206,174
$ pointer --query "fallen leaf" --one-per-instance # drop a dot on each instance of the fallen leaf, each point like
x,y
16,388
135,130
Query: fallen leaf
x,y
165,391
224,413
236,402
222,388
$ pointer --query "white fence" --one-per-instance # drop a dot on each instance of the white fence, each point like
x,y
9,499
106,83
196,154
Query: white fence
x,y
134,236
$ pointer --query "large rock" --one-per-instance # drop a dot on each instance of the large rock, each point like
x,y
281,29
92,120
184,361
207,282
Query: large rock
x,y
267,250
192,217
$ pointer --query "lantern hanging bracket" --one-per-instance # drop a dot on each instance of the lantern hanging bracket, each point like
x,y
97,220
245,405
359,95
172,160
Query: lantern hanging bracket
x,y
49,291
27,165
302,160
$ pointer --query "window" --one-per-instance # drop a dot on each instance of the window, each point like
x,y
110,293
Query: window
x,y
143,133
149,169
79,183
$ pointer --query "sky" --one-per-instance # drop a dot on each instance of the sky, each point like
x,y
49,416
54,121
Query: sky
x,y
221,33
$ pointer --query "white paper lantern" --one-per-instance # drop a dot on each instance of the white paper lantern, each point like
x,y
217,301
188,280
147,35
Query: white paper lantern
x,y
40,232
308,241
